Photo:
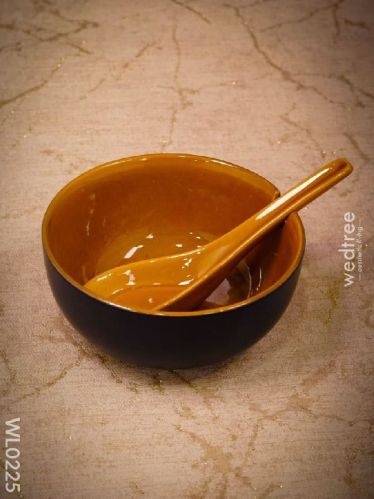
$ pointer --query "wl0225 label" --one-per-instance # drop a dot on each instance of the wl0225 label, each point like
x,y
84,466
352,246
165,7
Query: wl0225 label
x,y
12,455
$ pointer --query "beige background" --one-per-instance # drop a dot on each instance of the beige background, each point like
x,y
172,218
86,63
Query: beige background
x,y
277,86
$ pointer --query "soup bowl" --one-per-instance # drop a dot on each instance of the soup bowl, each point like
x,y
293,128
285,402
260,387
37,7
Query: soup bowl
x,y
147,206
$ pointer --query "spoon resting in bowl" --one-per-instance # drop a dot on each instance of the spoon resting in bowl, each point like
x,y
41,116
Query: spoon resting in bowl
x,y
181,282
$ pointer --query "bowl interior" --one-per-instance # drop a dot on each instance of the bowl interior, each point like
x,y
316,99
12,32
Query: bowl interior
x,y
156,205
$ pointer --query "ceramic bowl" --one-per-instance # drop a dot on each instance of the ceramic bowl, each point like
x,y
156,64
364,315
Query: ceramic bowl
x,y
97,219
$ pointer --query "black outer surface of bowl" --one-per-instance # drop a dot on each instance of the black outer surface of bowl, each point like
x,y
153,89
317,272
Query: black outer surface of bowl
x,y
170,342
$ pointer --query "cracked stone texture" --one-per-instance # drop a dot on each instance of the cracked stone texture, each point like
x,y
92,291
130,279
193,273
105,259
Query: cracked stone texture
x,y
277,86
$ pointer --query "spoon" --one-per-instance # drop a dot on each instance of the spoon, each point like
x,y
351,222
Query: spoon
x,y
181,282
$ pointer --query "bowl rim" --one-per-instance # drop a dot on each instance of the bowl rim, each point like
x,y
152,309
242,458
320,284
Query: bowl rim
x,y
217,310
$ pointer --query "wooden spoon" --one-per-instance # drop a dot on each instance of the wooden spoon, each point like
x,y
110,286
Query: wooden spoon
x,y
181,282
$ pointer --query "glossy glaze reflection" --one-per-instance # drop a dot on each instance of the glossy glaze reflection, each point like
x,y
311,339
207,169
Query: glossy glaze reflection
x,y
131,290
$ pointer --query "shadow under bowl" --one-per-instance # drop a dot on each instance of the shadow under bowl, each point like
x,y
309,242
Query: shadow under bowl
x,y
92,222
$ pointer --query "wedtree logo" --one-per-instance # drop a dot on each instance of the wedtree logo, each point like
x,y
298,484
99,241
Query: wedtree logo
x,y
351,248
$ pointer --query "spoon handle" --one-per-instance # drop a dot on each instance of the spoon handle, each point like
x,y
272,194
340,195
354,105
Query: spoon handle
x,y
293,200
223,254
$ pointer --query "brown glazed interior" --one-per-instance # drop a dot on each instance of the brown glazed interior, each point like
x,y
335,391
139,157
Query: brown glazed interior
x,y
163,193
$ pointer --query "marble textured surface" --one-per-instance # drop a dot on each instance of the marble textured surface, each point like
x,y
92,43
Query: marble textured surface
x,y
277,86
